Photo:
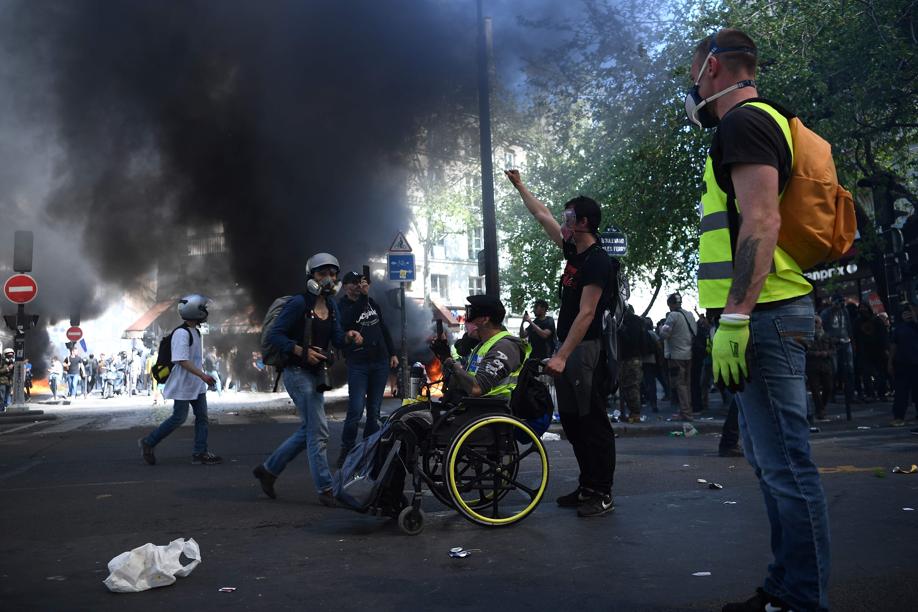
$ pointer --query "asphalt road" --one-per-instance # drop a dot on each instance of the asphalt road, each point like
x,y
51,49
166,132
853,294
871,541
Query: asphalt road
x,y
74,498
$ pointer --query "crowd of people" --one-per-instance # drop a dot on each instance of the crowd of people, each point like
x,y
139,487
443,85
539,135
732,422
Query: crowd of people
x,y
81,375
854,355
759,342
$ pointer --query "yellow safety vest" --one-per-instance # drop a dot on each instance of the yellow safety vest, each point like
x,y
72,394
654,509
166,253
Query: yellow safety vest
x,y
715,270
505,387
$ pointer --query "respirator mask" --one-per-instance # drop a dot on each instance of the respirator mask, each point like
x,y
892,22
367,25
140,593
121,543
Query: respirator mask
x,y
326,286
698,109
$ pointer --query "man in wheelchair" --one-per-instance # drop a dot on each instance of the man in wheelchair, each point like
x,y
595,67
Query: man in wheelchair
x,y
491,371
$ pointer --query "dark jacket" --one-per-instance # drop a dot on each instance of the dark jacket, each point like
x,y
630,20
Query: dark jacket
x,y
631,337
365,316
290,326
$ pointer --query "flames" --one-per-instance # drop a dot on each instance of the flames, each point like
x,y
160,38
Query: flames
x,y
434,371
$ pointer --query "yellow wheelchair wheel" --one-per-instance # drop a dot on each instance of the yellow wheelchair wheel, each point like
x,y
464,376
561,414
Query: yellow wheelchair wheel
x,y
496,470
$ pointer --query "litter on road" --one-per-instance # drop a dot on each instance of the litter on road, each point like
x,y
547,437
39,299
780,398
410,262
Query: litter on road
x,y
150,566
732,503
550,437
715,486
909,470
700,574
226,589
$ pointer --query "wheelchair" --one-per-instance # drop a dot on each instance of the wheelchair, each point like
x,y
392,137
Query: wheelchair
x,y
474,456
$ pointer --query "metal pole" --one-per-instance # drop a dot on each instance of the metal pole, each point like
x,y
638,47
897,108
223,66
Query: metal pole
x,y
489,218
405,369
19,367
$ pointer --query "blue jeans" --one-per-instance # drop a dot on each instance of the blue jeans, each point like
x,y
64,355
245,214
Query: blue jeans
x,y
366,383
73,384
312,436
773,423
6,396
179,414
218,384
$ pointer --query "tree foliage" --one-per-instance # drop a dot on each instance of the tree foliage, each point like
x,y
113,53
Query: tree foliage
x,y
603,116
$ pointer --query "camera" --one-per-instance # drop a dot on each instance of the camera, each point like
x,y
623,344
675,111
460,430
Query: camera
x,y
321,370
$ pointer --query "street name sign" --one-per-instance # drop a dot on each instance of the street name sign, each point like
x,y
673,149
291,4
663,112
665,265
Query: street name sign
x,y
614,242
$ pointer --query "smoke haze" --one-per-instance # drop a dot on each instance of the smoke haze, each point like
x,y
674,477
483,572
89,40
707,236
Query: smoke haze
x,y
129,126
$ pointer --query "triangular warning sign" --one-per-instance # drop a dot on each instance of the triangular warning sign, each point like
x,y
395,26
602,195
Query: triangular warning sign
x,y
400,245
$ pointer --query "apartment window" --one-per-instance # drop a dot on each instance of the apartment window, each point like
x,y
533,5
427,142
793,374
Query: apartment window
x,y
476,285
476,242
439,284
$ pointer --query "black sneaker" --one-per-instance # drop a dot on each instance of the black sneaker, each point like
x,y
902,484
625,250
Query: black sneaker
x,y
572,500
760,602
147,451
266,479
207,458
596,505
734,451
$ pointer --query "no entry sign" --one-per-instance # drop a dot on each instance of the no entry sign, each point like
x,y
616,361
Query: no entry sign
x,y
74,334
20,289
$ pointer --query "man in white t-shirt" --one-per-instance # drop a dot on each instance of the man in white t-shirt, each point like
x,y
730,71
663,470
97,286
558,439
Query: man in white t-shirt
x,y
187,384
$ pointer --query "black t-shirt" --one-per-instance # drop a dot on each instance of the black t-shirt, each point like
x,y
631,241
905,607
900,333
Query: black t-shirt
x,y
592,267
748,135
541,347
74,367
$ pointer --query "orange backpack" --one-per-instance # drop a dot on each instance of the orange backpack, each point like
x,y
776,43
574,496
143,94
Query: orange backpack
x,y
817,214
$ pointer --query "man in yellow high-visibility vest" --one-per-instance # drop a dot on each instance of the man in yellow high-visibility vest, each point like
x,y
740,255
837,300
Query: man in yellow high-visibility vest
x,y
764,309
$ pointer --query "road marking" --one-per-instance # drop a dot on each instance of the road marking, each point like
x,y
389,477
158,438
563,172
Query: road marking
x,y
20,428
848,469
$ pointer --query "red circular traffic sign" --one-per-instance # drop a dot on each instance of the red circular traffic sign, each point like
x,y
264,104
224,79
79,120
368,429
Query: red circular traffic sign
x,y
74,334
20,288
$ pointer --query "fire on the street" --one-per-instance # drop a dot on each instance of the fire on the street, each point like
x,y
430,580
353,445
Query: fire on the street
x,y
435,376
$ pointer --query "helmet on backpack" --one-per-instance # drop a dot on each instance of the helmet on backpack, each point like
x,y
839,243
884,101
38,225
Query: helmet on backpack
x,y
321,260
193,307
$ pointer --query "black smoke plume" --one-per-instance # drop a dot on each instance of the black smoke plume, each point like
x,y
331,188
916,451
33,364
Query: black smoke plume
x,y
284,121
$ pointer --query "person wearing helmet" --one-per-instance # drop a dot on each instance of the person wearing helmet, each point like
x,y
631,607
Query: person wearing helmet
x,y
187,384
6,378
678,332
305,327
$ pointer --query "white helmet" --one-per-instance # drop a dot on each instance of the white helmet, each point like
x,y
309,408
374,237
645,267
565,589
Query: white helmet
x,y
193,307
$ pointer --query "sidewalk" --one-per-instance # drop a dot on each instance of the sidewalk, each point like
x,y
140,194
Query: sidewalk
x,y
711,421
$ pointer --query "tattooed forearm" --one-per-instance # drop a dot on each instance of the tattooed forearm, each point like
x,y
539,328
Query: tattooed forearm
x,y
465,380
743,269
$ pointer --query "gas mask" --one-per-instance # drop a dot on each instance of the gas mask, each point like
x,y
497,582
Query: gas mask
x,y
698,109
568,221
326,286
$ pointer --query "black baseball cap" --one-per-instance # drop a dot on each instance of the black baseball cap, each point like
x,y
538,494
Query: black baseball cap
x,y
485,305
352,277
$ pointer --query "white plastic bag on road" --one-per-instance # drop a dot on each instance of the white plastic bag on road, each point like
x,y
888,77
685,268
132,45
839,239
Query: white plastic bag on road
x,y
150,566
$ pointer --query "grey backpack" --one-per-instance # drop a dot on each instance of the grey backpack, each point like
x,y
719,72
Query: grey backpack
x,y
269,353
